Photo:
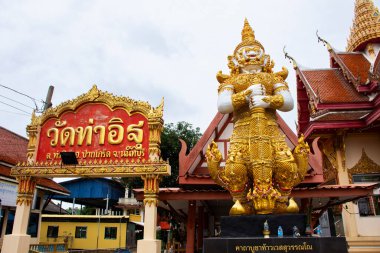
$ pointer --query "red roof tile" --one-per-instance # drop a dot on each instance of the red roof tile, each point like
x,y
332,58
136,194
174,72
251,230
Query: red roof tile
x,y
339,116
13,147
357,64
331,87
48,183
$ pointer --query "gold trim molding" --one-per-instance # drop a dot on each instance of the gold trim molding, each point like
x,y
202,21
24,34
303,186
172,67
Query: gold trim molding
x,y
93,168
365,165
96,95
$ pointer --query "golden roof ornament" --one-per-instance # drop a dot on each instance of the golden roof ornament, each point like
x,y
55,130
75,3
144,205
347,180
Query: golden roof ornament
x,y
365,27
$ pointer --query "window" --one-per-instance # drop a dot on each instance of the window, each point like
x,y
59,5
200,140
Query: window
x,y
52,232
80,232
10,220
110,232
368,206
33,224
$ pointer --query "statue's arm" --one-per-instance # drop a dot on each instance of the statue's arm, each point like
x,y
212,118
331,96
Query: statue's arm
x,y
228,100
281,89
281,99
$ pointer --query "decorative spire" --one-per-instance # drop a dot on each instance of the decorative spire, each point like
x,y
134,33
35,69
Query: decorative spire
x,y
366,25
247,34
248,37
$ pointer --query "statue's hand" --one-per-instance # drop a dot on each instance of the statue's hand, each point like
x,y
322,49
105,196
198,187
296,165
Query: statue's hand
x,y
257,89
258,101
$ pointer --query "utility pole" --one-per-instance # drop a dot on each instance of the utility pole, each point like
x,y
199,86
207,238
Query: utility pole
x,y
49,95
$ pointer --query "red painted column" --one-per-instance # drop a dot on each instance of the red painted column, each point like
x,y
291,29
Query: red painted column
x,y
191,226
200,228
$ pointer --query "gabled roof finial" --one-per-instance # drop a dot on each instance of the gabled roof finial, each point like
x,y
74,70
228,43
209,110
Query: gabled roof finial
x,y
291,59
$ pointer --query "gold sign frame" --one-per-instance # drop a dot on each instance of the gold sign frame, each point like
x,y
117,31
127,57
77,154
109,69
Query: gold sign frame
x,y
97,167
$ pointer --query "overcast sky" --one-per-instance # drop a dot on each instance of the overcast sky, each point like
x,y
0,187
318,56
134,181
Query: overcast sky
x,y
152,49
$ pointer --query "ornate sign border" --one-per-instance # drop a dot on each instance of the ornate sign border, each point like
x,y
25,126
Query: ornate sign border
x,y
97,167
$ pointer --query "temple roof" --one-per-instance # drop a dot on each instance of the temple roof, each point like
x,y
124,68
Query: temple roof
x,y
365,27
346,95
357,64
336,97
330,86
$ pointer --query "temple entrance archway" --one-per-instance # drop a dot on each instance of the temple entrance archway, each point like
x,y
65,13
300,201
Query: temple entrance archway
x,y
94,135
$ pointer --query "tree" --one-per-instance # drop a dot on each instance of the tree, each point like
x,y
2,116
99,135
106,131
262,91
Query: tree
x,y
170,147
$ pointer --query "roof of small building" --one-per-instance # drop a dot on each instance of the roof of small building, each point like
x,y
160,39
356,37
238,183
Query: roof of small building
x,y
13,149
93,191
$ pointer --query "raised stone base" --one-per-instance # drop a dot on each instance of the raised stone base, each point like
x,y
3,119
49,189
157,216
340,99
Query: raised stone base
x,y
16,243
280,245
151,246
252,225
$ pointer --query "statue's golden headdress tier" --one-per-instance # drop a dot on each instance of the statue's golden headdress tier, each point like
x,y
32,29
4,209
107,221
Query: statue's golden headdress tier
x,y
248,37
249,53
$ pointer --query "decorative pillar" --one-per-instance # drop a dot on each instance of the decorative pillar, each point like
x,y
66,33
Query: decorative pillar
x,y
200,228
19,241
155,128
151,190
348,215
190,228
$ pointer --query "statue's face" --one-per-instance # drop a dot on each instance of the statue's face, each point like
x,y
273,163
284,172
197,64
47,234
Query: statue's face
x,y
250,56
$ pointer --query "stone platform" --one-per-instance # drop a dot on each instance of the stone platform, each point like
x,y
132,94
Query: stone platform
x,y
275,245
252,225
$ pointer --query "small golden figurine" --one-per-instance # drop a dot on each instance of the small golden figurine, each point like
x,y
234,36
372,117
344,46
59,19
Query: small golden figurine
x,y
260,169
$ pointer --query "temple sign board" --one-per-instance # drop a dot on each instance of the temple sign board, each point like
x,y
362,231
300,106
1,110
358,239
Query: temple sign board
x,y
106,136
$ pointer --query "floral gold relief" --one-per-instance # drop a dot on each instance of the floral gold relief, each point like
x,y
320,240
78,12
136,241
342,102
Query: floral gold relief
x,y
365,165
26,187
151,189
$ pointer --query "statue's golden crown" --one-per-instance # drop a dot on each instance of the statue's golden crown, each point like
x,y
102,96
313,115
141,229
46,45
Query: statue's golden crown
x,y
247,38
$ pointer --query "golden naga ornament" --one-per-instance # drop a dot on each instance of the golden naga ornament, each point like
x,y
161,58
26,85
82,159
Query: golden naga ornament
x,y
260,169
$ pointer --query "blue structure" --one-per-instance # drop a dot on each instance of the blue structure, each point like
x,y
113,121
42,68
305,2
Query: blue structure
x,y
92,192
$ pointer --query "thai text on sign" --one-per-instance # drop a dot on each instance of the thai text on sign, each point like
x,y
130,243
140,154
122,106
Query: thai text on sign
x,y
94,131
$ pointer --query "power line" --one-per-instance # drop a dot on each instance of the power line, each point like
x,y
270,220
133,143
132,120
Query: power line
x,y
15,113
14,107
17,102
18,92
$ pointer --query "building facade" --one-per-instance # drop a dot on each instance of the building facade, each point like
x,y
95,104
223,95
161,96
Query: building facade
x,y
340,106
13,150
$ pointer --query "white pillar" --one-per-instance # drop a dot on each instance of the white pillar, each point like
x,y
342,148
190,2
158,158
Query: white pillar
x,y
150,243
19,241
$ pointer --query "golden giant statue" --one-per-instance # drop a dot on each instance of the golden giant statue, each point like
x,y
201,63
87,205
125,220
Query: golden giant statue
x,y
260,169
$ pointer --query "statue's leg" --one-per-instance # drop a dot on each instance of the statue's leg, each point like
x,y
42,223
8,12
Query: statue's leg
x,y
236,172
285,173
